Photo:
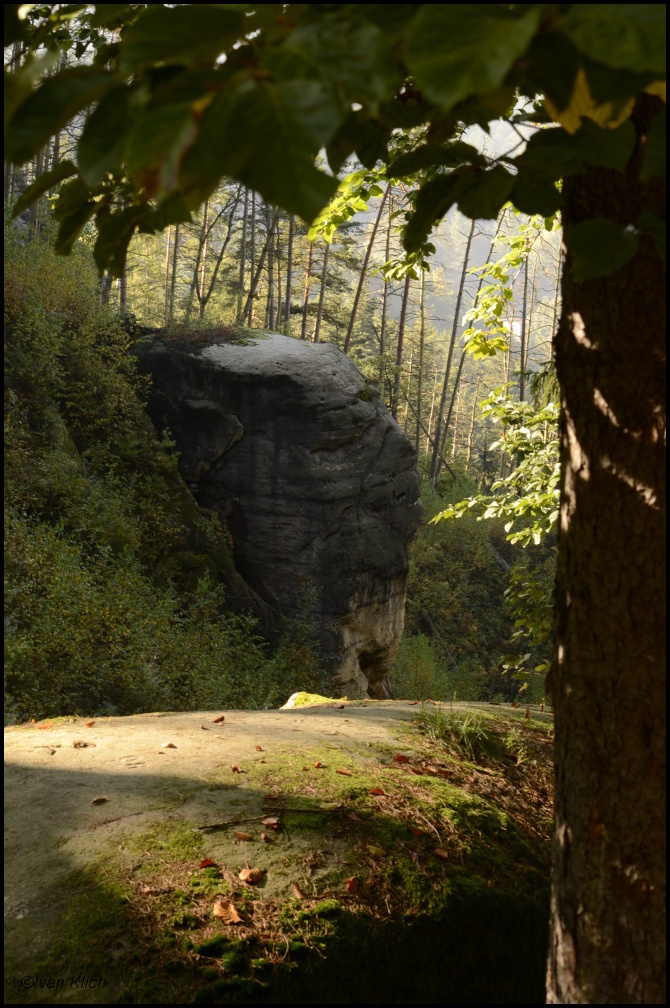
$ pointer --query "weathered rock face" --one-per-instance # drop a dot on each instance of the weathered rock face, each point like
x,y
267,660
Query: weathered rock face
x,y
316,483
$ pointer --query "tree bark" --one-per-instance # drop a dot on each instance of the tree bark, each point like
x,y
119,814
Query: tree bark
x,y
289,275
243,255
422,339
305,298
398,363
166,287
259,269
608,675
322,293
249,303
522,353
173,279
438,446
364,269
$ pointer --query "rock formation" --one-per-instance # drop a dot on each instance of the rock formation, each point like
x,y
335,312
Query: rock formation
x,y
317,485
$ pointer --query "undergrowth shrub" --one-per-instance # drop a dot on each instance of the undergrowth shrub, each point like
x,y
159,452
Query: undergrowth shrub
x,y
113,601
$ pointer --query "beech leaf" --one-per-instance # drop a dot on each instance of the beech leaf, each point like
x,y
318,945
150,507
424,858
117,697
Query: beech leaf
x,y
272,821
235,768
318,764
345,773
203,727
352,885
168,745
401,759
89,724
251,875
99,801
377,791
242,836
416,831
297,891
441,853
355,816
218,720
207,863
226,912
258,749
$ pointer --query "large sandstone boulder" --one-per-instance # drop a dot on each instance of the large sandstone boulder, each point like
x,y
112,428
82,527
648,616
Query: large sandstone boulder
x,y
315,482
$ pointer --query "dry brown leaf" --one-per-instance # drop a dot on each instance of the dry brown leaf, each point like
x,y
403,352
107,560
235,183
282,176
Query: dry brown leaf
x,y
441,853
413,703
352,885
345,773
355,816
83,745
207,863
297,891
218,720
415,770
305,768
318,764
377,791
242,836
272,821
168,745
43,727
227,912
235,768
416,831
271,797
401,759
99,801
258,749
32,721
89,724
251,875
204,728
264,838
260,761
414,856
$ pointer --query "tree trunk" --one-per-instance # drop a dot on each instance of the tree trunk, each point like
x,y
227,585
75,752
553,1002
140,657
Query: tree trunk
x,y
608,676
382,334
364,269
471,432
277,321
322,292
289,274
259,269
556,300
305,298
173,280
438,449
203,270
522,353
123,290
422,337
270,310
243,255
249,303
398,363
453,436
166,288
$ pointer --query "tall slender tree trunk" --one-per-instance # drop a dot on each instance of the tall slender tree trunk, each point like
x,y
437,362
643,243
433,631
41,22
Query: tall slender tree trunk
x,y
471,432
123,290
422,338
105,288
429,440
454,435
256,276
203,267
278,315
166,286
249,303
289,275
173,278
556,300
439,436
398,362
305,297
322,292
270,310
522,352
243,256
382,333
608,675
409,384
364,270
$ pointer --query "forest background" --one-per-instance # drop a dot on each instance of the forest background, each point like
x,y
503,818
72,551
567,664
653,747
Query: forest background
x,y
100,609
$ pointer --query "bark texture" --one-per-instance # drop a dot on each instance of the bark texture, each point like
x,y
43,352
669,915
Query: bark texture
x,y
608,680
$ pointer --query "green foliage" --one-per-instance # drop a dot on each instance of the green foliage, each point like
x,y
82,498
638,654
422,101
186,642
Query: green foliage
x,y
173,117
112,596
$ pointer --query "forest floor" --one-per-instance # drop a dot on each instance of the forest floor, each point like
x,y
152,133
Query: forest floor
x,y
126,838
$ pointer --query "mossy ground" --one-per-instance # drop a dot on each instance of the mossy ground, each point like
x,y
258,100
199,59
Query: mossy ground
x,y
354,905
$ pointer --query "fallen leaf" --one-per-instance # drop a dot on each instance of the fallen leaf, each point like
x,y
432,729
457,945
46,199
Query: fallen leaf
x,y
416,831
340,706
329,805
260,761
415,770
431,770
242,836
83,745
355,816
305,768
251,875
379,851
204,728
207,863
297,891
235,768
345,773
218,720
441,853
258,749
413,703
414,856
226,912
264,838
99,801
401,759
272,821
377,791
89,724
32,721
168,745
318,764
271,797
513,704
527,714
43,727
352,885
